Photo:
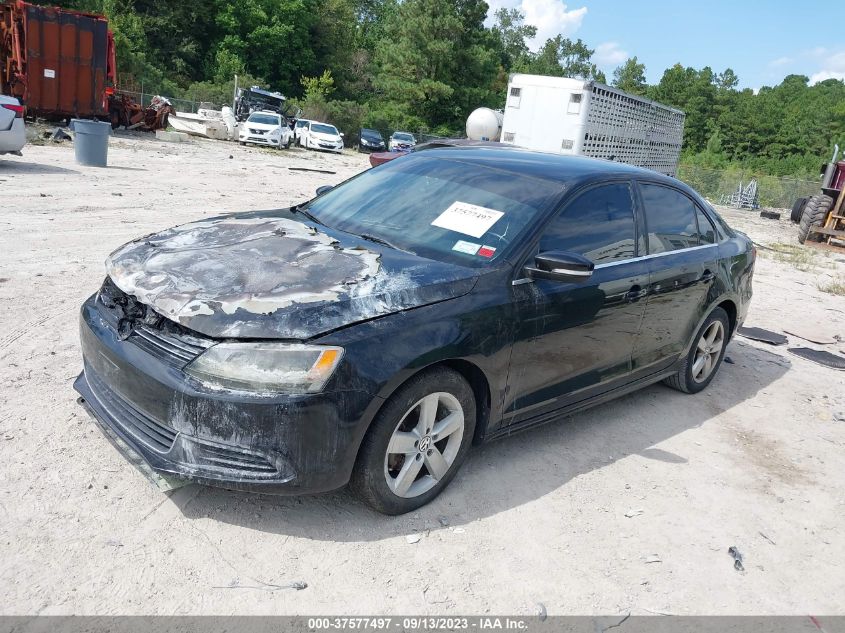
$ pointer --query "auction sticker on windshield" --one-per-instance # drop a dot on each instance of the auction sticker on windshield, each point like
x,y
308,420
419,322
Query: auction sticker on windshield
x,y
466,218
470,248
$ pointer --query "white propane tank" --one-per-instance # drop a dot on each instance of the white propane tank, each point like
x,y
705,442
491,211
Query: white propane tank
x,y
484,124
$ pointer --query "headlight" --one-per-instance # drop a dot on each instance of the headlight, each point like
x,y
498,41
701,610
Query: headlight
x,y
266,367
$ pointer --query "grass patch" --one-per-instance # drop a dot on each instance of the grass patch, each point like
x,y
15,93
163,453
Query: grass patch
x,y
803,258
834,287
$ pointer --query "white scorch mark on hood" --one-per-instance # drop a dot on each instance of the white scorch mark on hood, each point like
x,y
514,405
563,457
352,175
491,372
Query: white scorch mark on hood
x,y
254,264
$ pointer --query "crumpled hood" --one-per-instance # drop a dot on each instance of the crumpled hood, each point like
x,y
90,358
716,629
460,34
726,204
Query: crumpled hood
x,y
269,275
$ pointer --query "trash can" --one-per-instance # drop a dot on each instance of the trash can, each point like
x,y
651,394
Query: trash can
x,y
91,142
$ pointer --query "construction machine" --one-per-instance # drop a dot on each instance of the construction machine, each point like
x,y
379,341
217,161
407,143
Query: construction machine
x,y
821,218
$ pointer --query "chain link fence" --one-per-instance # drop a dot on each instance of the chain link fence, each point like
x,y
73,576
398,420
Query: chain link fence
x,y
774,191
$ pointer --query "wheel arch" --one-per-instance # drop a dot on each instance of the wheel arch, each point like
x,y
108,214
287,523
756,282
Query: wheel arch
x,y
472,373
729,306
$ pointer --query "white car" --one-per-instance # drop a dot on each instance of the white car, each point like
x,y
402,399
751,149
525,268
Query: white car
x,y
323,136
401,141
265,128
12,129
300,125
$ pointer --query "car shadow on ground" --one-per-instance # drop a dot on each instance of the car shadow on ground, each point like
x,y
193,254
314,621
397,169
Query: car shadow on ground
x,y
13,167
513,471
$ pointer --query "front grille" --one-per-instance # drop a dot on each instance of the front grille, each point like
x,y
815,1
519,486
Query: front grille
x,y
222,457
135,422
142,326
178,350
258,132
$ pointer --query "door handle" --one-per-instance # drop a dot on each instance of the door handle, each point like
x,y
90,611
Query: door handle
x,y
635,294
707,277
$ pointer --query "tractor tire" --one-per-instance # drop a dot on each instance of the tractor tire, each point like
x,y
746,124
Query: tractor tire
x,y
814,215
797,210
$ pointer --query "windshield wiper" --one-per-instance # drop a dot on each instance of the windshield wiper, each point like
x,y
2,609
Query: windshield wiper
x,y
381,240
300,208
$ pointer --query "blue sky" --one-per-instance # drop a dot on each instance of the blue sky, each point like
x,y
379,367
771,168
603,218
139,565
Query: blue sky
x,y
762,41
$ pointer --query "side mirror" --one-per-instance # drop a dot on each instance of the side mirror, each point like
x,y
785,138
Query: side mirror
x,y
342,134
561,266
323,189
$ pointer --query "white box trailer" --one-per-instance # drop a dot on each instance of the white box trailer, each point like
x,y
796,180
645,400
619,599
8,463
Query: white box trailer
x,y
574,116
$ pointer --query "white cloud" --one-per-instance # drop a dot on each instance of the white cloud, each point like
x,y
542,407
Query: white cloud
x,y
780,61
609,54
549,16
832,67
826,74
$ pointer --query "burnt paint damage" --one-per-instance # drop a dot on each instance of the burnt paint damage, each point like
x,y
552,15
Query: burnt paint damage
x,y
272,276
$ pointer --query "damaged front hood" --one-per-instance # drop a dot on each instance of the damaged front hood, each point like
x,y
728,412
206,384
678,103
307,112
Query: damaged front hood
x,y
269,275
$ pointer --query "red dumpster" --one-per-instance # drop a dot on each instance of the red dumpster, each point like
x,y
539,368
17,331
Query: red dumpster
x,y
58,62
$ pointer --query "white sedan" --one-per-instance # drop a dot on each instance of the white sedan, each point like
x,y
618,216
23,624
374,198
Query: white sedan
x,y
265,128
318,135
12,129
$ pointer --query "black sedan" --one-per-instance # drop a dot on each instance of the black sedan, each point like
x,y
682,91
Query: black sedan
x,y
370,141
371,338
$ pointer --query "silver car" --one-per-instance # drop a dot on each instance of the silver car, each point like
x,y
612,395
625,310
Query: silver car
x,y
12,129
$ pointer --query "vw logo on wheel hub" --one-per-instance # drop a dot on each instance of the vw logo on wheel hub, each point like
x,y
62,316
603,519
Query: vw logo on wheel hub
x,y
424,443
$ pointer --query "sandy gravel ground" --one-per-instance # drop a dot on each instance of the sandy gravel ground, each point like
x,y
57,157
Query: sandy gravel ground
x,y
629,508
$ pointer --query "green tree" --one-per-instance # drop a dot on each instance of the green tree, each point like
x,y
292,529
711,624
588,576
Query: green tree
x,y
435,62
561,57
630,77
512,32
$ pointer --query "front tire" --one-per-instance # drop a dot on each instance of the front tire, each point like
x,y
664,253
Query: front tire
x,y
814,214
705,356
417,442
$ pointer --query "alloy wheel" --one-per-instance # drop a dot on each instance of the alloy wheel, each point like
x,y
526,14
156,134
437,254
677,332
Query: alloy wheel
x,y
708,351
424,445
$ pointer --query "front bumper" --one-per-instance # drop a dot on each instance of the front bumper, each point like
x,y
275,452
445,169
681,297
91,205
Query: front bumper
x,y
271,444
261,140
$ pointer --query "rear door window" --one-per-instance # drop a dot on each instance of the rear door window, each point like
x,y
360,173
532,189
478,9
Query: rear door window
x,y
670,218
598,224
706,232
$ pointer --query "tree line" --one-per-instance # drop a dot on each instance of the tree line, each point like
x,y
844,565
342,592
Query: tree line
x,y
426,64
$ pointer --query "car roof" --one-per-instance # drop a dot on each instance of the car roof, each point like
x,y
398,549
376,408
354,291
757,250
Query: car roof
x,y
264,112
572,170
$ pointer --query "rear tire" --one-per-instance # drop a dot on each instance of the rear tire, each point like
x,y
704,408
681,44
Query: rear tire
x,y
417,442
705,356
797,210
814,214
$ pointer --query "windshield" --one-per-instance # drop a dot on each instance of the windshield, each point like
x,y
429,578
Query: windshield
x,y
438,208
264,119
301,123
322,128
372,134
402,136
